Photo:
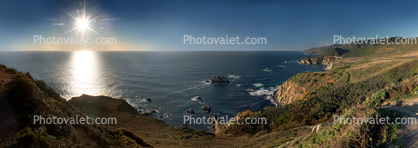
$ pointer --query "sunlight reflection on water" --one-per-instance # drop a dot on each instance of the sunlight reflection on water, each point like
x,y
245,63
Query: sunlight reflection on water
x,y
84,74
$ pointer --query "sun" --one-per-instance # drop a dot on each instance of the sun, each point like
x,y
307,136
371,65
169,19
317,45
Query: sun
x,y
82,24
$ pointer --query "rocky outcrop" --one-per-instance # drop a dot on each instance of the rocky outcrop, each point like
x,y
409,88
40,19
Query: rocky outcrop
x,y
190,112
206,108
289,92
329,66
317,60
220,79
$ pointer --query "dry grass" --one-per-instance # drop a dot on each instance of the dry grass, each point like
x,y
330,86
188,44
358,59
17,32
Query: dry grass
x,y
373,67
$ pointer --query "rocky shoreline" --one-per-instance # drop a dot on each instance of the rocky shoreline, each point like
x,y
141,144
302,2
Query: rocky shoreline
x,y
325,60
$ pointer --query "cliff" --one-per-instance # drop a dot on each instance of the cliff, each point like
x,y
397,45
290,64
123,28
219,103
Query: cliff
x,y
298,86
325,60
289,92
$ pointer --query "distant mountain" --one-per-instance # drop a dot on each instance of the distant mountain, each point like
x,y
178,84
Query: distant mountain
x,y
349,47
319,50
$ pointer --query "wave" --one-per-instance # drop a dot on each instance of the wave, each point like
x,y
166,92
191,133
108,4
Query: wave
x,y
195,98
258,84
266,93
267,70
199,86
262,91
234,76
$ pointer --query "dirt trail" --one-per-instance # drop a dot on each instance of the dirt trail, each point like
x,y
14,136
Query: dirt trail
x,y
408,134
8,123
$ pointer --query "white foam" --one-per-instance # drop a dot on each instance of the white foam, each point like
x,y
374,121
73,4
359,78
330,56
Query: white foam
x,y
195,98
239,85
249,89
199,86
234,76
281,66
262,91
258,84
267,93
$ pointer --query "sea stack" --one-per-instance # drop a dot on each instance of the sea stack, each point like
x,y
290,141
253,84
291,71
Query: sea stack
x,y
220,79
206,108
190,112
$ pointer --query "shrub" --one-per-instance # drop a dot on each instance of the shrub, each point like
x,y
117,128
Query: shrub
x,y
379,96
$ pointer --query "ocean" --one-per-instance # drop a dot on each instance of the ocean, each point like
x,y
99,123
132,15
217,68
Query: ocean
x,y
171,79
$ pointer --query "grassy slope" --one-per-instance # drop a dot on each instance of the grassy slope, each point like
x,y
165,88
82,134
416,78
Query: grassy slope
x,y
353,47
334,52
354,78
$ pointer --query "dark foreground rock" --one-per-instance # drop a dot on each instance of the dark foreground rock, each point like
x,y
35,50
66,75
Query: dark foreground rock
x,y
101,106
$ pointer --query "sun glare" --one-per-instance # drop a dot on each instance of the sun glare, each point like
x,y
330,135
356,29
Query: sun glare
x,y
82,24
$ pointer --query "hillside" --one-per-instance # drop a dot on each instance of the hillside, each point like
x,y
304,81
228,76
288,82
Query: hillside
x,y
334,52
352,46
23,97
311,99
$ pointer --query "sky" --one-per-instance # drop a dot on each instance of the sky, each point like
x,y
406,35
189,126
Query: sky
x,y
160,25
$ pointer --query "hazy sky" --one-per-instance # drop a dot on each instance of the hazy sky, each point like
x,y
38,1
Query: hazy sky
x,y
161,25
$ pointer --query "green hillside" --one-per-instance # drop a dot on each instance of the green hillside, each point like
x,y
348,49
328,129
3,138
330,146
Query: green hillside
x,y
334,52
368,45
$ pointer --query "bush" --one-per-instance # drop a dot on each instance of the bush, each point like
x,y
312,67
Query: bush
x,y
379,96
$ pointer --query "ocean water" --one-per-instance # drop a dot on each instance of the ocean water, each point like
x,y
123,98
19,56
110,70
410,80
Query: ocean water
x,y
170,79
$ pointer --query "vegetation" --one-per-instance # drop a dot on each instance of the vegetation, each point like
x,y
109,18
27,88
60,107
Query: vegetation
x,y
369,47
334,52
360,134
32,97
332,94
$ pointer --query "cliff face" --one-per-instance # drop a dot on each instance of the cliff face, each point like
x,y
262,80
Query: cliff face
x,y
317,60
289,92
